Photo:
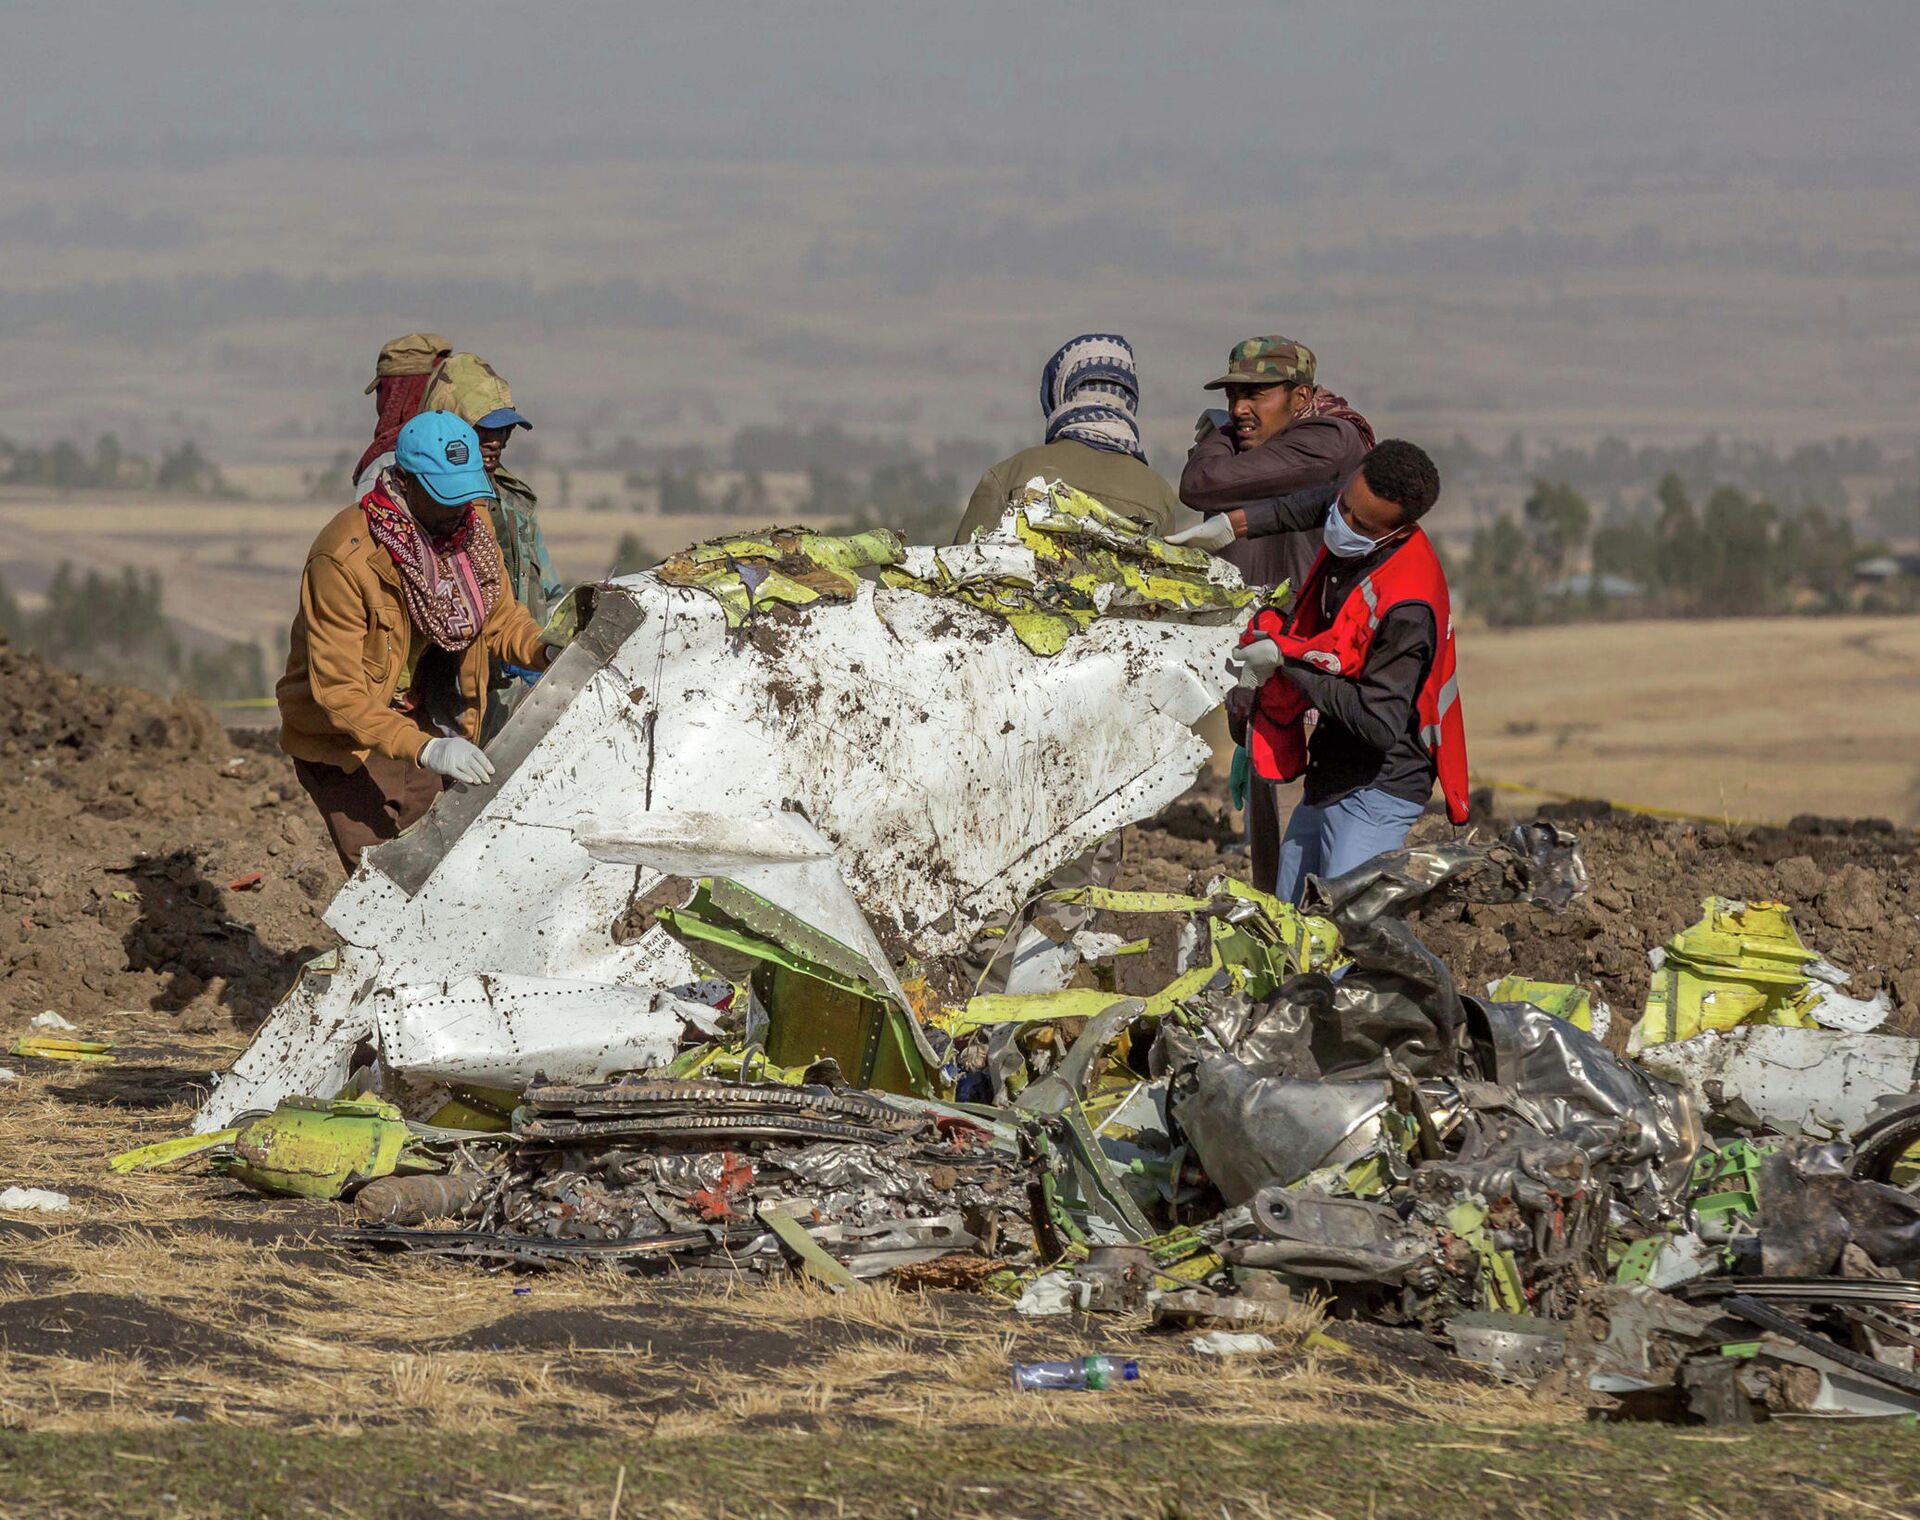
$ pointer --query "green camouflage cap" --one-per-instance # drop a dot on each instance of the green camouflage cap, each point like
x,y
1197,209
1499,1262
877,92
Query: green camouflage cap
x,y
474,391
1266,361
414,354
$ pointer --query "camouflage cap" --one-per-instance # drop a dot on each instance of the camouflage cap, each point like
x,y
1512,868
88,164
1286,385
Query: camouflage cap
x,y
1266,361
415,354
473,390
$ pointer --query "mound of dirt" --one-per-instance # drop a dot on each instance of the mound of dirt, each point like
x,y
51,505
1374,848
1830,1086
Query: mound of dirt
x,y
133,821
1854,889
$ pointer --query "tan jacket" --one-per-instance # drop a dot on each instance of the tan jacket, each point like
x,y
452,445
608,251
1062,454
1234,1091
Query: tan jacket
x,y
349,648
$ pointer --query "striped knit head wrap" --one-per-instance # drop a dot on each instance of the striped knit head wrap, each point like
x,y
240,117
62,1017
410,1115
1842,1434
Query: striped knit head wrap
x,y
1090,391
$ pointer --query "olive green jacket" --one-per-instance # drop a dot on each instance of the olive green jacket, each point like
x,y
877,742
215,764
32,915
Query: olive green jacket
x,y
1118,481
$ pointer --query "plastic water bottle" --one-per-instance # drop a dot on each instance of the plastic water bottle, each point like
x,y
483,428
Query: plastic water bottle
x,y
1082,1372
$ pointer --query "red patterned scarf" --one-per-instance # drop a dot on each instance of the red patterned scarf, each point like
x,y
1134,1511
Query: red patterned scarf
x,y
1326,404
399,397
450,583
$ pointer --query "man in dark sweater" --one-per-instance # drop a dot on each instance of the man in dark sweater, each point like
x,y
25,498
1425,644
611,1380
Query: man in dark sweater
x,y
1279,432
1369,645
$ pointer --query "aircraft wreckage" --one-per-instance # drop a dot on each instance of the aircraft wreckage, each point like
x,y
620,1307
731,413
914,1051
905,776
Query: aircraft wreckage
x,y
755,953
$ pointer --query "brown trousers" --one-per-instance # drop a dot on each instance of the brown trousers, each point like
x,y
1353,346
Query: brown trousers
x,y
371,805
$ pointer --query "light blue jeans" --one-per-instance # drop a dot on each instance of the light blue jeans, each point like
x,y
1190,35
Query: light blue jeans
x,y
1333,839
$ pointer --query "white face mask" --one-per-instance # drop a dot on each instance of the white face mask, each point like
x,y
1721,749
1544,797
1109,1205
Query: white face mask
x,y
1342,540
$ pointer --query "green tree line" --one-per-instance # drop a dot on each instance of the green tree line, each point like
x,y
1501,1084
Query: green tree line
x,y
65,466
115,627
1735,555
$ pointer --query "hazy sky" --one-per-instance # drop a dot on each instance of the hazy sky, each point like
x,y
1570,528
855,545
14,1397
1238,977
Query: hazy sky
x,y
1484,213
1777,77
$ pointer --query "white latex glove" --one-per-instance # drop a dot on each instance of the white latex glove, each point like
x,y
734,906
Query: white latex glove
x,y
1211,533
457,759
1253,665
1213,419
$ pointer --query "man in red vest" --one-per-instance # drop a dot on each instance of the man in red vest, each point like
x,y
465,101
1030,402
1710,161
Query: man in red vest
x,y
1368,643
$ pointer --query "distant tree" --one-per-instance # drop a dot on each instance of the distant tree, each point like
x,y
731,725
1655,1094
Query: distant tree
x,y
1499,580
66,467
680,492
185,468
1557,519
107,461
13,622
1742,571
234,671
631,555
1680,561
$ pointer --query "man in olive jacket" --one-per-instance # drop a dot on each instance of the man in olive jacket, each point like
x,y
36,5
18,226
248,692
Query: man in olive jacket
x,y
403,601
1089,393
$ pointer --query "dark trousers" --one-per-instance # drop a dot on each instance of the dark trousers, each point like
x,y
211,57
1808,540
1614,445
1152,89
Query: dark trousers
x,y
1263,832
373,804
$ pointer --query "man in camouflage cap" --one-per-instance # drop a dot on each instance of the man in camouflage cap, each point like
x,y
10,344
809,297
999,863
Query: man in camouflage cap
x,y
473,390
1266,361
1280,432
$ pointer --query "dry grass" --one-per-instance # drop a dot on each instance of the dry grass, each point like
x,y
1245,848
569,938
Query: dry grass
x,y
176,1293
1752,720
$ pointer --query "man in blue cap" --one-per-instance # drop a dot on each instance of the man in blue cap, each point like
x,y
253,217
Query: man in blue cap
x,y
404,601
471,388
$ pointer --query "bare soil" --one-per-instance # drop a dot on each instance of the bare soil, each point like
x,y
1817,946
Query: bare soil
x,y
132,821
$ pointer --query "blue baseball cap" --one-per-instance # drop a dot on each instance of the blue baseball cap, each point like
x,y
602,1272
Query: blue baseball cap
x,y
443,454
503,417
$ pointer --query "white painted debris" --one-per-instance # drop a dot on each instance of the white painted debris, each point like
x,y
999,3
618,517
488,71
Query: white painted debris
x,y
8,1074
50,1020
1231,1343
1833,1009
1048,1294
1820,1081
895,770
25,1199
1681,1258
502,1031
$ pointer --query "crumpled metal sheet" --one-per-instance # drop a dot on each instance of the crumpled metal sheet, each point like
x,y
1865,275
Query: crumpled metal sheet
x,y
1251,1132
948,767
1812,1207
1519,1347
1569,1076
1397,1004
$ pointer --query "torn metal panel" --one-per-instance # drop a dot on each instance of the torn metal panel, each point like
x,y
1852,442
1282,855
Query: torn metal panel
x,y
1306,1233
1519,1347
778,856
1570,1077
503,1031
1819,1081
949,768
1744,964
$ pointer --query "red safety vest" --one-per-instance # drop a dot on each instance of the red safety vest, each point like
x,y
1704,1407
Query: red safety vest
x,y
1276,742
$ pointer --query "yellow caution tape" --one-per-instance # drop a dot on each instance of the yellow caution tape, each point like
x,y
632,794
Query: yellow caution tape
x,y
1646,810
